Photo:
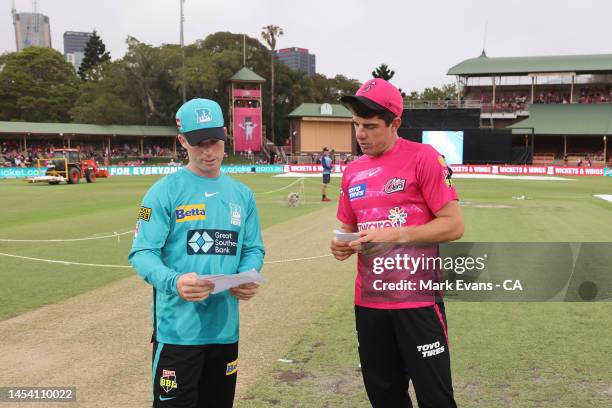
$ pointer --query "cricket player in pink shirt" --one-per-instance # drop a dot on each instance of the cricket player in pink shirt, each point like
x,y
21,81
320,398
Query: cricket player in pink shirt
x,y
398,194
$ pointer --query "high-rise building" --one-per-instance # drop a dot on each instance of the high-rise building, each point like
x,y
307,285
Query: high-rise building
x,y
74,47
31,29
297,59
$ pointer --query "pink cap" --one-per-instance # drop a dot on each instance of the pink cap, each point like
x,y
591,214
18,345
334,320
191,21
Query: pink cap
x,y
378,94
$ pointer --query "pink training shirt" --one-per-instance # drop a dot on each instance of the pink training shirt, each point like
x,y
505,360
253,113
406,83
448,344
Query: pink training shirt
x,y
405,186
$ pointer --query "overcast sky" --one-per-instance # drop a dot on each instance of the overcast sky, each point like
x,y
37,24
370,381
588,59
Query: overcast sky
x,y
420,40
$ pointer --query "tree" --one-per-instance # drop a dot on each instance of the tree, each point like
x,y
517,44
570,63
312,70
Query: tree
x,y
37,85
95,54
447,92
270,33
383,72
109,100
148,78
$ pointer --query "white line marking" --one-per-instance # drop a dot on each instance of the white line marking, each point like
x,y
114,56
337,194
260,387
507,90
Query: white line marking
x,y
280,189
607,197
128,266
63,262
115,235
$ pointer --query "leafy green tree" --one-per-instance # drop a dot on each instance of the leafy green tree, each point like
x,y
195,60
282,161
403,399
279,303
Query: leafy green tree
x,y
446,92
109,100
37,85
95,54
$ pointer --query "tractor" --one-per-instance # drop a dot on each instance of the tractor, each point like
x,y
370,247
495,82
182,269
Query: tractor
x,y
68,165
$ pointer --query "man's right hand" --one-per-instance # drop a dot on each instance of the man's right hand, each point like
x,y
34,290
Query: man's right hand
x,y
192,289
341,249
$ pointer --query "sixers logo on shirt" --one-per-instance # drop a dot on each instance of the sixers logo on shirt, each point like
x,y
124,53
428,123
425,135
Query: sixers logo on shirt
x,y
357,191
394,185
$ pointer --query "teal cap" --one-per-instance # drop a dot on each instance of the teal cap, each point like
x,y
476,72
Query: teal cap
x,y
200,119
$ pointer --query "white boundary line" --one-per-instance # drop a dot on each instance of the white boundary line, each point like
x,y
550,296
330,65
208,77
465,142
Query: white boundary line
x,y
280,189
63,262
115,235
606,197
128,266
297,259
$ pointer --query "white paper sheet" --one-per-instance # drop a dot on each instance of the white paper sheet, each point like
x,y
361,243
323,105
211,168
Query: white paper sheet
x,y
346,236
225,282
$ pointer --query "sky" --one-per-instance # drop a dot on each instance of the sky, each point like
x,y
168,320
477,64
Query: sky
x,y
419,40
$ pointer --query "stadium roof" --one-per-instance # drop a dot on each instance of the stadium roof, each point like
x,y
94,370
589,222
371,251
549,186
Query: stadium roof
x,y
579,64
246,75
575,119
83,129
314,110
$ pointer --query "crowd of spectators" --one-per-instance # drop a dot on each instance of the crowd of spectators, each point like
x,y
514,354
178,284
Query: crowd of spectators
x,y
12,154
585,159
551,97
512,101
597,95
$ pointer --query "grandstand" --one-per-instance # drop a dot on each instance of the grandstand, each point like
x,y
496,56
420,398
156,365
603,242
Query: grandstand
x,y
566,100
26,141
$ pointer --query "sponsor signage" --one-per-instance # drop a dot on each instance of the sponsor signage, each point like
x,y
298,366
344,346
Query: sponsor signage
x,y
21,172
528,170
311,168
212,242
163,170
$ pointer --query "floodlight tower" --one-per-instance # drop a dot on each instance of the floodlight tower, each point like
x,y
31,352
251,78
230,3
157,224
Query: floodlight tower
x,y
184,85
14,13
36,17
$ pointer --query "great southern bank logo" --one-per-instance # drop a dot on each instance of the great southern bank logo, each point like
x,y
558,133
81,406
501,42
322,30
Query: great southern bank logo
x,y
212,242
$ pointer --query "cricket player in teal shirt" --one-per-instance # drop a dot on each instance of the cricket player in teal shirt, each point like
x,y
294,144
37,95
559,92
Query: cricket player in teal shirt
x,y
193,223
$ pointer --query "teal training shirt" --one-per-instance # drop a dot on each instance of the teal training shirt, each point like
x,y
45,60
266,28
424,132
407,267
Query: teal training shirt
x,y
189,223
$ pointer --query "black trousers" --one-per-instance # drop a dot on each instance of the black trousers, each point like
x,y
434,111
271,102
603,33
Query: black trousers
x,y
402,345
194,376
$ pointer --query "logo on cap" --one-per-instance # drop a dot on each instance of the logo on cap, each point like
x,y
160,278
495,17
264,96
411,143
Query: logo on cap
x,y
178,123
203,115
369,86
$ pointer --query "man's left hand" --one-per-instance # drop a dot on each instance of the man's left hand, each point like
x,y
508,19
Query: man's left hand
x,y
245,291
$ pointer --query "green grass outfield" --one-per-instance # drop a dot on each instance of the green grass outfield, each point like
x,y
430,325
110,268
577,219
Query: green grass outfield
x,y
504,354
109,206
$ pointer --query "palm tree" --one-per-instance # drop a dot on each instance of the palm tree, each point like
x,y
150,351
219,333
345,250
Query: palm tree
x,y
270,33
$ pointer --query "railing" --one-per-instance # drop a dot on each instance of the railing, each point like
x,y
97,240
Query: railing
x,y
442,104
301,159
504,107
